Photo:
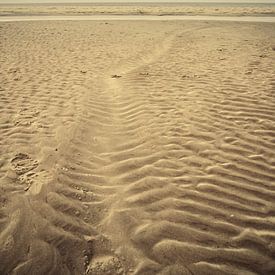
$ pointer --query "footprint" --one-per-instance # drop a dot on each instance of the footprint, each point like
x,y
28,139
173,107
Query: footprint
x,y
23,163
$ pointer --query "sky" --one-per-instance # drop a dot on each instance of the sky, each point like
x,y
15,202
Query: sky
x,y
131,1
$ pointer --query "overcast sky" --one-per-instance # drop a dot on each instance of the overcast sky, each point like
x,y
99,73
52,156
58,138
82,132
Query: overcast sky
x,y
91,1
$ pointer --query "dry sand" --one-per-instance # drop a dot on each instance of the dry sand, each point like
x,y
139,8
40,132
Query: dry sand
x,y
138,9
137,148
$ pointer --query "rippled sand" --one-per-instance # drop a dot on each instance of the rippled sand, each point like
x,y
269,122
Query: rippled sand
x,y
137,148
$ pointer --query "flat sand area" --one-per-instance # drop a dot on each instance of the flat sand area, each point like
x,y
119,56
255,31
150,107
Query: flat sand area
x,y
137,147
22,18
168,8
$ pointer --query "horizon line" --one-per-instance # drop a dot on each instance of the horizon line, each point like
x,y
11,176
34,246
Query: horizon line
x,y
142,1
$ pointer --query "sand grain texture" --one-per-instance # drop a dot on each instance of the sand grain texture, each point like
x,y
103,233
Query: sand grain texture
x,y
137,148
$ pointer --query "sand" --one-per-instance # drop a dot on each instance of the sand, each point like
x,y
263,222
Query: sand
x,y
137,148
159,9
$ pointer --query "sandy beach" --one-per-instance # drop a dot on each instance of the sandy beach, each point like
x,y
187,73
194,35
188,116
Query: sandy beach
x,y
137,147
158,9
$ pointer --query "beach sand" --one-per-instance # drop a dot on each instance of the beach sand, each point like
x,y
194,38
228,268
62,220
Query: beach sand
x,y
137,148
139,9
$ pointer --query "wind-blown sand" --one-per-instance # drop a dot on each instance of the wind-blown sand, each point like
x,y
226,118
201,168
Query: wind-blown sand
x,y
137,148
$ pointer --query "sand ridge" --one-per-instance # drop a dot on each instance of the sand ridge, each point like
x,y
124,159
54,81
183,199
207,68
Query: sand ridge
x,y
145,148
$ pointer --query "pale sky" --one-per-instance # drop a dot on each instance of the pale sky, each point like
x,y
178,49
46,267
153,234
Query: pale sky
x,y
131,1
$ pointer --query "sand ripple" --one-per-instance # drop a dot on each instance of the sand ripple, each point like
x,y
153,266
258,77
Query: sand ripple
x,y
167,169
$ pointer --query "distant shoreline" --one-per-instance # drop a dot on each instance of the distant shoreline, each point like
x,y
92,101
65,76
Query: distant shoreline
x,y
14,18
141,3
154,9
